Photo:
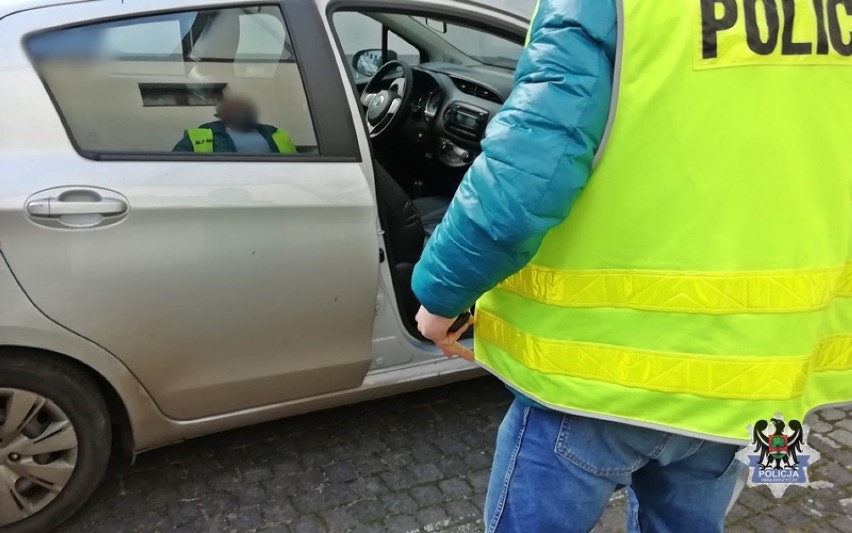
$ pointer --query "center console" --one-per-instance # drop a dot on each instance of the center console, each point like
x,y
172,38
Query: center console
x,y
466,121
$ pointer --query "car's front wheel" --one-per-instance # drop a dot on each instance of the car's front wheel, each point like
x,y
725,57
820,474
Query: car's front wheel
x,y
55,441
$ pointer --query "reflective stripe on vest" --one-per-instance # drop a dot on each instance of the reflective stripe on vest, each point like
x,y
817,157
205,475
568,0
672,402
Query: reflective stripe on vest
x,y
703,279
201,139
719,293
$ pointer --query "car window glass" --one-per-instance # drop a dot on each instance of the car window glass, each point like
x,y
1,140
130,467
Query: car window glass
x,y
156,39
479,45
261,37
219,82
357,32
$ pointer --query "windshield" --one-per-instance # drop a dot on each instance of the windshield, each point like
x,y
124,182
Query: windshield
x,y
484,47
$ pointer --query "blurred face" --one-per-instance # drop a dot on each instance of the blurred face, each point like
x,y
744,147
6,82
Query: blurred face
x,y
238,113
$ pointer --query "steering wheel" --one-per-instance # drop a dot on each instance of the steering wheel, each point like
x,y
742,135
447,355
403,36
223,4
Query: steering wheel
x,y
383,107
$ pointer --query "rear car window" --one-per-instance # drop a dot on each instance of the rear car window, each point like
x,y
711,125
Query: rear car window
x,y
184,82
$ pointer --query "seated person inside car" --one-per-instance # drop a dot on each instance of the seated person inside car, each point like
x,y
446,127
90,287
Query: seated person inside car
x,y
236,131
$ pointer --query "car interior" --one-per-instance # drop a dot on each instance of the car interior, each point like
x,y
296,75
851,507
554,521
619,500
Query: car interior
x,y
426,112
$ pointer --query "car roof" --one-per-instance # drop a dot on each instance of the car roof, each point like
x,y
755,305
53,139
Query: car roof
x,y
520,8
7,7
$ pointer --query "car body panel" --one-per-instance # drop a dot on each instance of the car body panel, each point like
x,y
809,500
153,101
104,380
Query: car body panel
x,y
223,288
24,326
8,7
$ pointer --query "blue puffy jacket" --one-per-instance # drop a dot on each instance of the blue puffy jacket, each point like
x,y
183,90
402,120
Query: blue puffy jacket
x,y
536,157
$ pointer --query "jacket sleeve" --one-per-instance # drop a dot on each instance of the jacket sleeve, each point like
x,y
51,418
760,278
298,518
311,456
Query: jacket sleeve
x,y
536,157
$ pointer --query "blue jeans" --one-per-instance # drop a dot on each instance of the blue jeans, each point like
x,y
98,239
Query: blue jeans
x,y
556,472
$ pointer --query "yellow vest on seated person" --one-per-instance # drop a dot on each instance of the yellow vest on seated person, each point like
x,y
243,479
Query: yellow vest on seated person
x,y
202,141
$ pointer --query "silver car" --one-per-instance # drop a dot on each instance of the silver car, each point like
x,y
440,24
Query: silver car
x,y
210,212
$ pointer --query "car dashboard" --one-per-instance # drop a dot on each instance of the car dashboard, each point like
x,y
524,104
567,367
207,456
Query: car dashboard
x,y
451,107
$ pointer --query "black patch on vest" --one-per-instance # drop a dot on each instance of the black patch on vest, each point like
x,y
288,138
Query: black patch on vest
x,y
779,17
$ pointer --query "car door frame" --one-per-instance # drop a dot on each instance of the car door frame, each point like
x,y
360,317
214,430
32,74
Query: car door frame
x,y
393,344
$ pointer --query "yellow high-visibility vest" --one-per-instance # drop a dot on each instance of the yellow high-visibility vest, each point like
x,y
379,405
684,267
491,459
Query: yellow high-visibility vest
x,y
202,141
703,280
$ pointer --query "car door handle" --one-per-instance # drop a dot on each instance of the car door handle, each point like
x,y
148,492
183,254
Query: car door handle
x,y
76,203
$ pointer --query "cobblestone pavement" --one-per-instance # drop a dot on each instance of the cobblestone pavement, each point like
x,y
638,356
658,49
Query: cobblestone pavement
x,y
415,463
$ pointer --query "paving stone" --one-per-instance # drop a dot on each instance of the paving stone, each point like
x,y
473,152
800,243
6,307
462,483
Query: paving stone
x,y
369,487
842,457
427,494
217,504
398,503
450,444
765,523
739,528
401,478
832,415
277,512
427,452
281,528
614,518
793,517
477,459
258,474
184,514
433,517
402,524
837,475
250,495
842,524
243,519
340,519
310,503
738,513
463,509
341,472
819,426
278,489
841,436
846,423
453,466
398,460
426,473
286,467
338,494
368,510
455,489
367,465
479,480
308,524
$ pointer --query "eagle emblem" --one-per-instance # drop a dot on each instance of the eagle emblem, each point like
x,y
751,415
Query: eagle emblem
x,y
778,450
777,454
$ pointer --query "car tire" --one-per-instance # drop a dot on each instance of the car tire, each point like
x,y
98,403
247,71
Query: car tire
x,y
68,396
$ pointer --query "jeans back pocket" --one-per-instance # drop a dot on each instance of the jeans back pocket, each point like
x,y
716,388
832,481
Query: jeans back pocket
x,y
605,448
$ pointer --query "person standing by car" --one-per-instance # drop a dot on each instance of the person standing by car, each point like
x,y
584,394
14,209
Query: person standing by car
x,y
237,130
699,282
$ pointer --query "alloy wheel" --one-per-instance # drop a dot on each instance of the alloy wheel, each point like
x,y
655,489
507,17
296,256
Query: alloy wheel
x,y
38,453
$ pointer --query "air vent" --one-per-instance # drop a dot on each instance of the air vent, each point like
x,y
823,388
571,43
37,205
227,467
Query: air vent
x,y
474,89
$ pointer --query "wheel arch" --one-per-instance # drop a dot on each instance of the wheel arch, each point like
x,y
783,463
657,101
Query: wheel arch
x,y
119,415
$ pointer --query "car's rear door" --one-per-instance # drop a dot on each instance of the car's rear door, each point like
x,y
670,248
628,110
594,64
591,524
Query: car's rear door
x,y
224,280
